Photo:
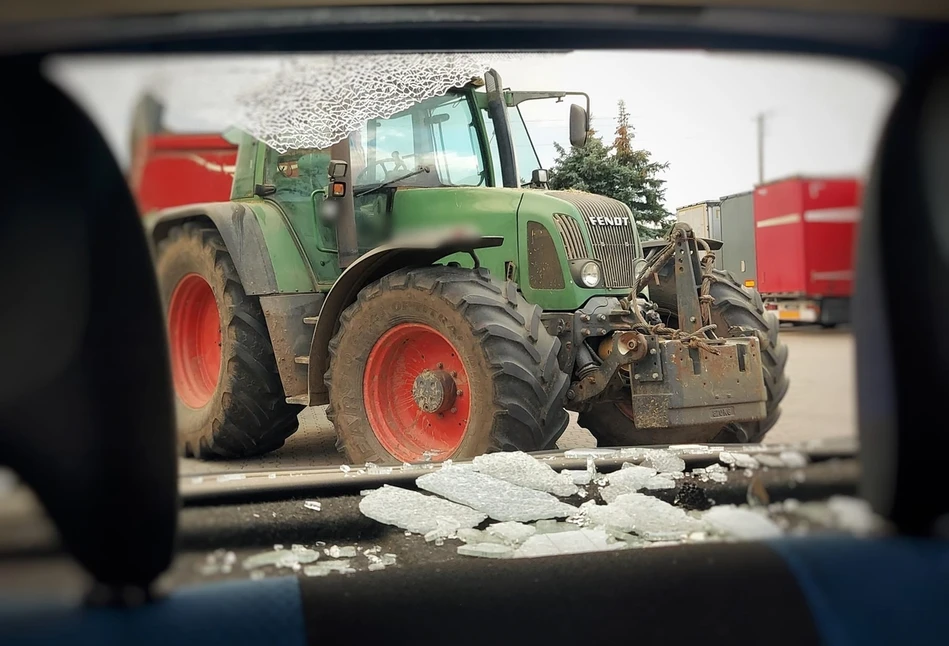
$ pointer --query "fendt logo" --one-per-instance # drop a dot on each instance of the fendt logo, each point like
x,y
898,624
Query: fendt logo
x,y
603,220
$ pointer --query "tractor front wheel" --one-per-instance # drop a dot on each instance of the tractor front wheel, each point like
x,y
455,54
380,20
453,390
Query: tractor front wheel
x,y
443,362
229,402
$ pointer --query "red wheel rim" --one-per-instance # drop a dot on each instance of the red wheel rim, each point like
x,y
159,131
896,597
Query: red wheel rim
x,y
194,331
411,370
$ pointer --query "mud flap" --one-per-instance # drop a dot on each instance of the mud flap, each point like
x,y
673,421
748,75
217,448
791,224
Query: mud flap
x,y
675,385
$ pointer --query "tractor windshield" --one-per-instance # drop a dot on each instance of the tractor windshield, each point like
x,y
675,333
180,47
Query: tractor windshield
x,y
433,143
438,136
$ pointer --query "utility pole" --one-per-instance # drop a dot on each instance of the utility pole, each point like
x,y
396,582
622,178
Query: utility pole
x,y
760,122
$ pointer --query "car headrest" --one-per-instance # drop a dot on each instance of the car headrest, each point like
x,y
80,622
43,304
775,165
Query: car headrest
x,y
901,309
86,415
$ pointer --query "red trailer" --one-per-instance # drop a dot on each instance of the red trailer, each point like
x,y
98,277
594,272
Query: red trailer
x,y
805,229
197,167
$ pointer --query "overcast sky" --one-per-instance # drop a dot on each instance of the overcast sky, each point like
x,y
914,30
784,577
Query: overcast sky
x,y
692,109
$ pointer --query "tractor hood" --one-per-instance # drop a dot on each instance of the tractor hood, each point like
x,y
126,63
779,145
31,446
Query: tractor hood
x,y
610,232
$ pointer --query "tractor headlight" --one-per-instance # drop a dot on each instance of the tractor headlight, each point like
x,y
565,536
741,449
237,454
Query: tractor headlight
x,y
590,274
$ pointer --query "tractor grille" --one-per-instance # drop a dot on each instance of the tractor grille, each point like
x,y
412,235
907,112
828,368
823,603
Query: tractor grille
x,y
572,236
612,232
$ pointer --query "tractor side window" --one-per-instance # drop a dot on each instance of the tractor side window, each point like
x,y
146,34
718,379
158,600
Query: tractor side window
x,y
527,161
296,174
493,147
458,158
524,152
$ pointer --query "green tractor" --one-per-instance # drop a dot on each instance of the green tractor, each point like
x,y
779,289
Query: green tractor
x,y
421,279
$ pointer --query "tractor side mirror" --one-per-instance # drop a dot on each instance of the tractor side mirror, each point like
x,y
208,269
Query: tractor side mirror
x,y
579,125
539,178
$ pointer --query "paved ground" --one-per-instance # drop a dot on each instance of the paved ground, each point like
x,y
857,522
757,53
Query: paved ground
x,y
819,404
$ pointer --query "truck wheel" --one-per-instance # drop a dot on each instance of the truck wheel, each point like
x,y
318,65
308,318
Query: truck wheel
x,y
229,402
442,362
736,309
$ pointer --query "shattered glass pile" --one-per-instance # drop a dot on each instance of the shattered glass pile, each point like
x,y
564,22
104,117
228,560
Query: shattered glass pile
x,y
518,494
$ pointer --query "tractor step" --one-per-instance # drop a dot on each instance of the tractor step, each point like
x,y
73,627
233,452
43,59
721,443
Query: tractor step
x,y
311,320
305,360
300,400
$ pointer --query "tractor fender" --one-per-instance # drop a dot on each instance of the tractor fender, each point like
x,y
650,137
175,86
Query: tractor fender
x,y
419,250
242,234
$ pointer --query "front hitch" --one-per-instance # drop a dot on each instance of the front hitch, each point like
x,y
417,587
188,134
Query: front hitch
x,y
685,376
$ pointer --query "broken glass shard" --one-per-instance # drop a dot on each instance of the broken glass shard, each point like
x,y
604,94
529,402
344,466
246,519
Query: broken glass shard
x,y
313,505
590,453
628,479
793,459
469,535
414,511
577,476
345,468
324,568
660,482
280,558
486,550
336,551
444,528
649,517
663,461
854,515
525,471
511,533
499,499
554,527
769,460
738,460
741,523
578,542
607,516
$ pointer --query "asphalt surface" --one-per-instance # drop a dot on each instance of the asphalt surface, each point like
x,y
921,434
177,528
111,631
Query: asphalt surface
x,y
820,404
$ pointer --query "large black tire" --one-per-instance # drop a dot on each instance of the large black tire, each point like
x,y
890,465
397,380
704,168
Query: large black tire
x,y
737,311
514,382
247,413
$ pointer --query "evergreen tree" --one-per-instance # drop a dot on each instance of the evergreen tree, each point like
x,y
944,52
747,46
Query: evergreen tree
x,y
619,171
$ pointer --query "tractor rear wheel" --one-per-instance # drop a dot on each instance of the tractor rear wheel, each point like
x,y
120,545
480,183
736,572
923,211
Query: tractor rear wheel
x,y
736,311
443,363
229,401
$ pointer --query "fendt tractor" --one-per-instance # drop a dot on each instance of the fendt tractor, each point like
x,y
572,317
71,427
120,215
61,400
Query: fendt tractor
x,y
422,279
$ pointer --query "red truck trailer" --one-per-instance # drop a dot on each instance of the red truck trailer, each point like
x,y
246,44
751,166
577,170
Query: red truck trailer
x,y
805,229
170,169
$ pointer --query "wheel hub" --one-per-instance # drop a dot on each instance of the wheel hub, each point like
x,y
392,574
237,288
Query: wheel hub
x,y
416,393
434,391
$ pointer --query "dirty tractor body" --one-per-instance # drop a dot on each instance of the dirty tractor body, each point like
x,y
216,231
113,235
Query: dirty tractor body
x,y
421,280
